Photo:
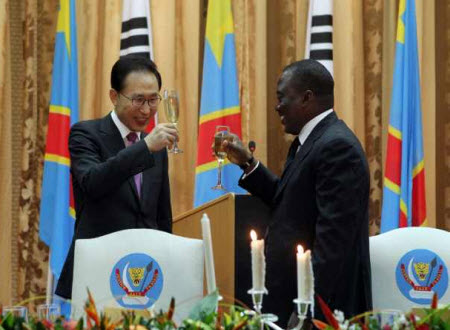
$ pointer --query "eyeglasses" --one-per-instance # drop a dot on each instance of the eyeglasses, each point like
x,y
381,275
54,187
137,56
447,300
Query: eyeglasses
x,y
140,100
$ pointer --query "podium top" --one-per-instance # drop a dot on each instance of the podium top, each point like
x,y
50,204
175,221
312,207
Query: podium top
x,y
230,197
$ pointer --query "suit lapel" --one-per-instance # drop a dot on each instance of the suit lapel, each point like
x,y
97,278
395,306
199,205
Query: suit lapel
x,y
305,149
114,143
112,138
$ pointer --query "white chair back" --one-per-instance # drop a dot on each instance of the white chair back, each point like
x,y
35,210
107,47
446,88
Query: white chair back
x,y
408,266
138,269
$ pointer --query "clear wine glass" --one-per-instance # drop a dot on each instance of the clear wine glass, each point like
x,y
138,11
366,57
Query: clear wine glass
x,y
222,133
172,110
48,312
16,311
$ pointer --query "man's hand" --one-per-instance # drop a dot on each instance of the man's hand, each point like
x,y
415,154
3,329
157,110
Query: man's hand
x,y
236,152
163,135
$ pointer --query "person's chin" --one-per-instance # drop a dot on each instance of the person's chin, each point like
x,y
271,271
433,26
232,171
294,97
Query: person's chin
x,y
291,131
140,127
287,129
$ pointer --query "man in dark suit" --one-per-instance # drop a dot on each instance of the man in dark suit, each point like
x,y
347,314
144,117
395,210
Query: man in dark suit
x,y
119,173
320,201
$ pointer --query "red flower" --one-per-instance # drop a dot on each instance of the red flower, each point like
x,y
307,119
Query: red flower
x,y
47,324
327,313
423,327
70,325
319,324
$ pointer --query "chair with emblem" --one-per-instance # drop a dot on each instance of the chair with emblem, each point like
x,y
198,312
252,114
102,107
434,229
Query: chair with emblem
x,y
408,266
138,269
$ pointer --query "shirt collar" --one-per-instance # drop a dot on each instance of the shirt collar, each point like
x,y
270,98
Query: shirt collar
x,y
308,128
124,131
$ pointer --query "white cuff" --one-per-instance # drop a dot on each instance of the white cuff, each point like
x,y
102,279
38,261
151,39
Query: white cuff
x,y
253,169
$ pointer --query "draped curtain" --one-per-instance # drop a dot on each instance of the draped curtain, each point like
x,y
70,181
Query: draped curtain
x,y
269,35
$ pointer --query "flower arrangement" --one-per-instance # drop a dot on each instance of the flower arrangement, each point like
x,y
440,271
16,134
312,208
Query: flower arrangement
x,y
205,315
430,319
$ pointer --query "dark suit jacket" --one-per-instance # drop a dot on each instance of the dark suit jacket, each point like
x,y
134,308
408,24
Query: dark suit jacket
x,y
321,202
105,194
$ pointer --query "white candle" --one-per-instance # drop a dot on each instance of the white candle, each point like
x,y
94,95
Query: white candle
x,y
258,262
209,257
305,277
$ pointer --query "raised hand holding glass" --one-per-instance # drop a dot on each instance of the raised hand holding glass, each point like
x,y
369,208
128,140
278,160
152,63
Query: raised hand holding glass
x,y
172,110
222,133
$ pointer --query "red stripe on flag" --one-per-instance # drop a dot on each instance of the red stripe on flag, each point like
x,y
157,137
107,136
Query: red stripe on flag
x,y
206,134
71,200
151,125
419,209
393,159
402,221
58,135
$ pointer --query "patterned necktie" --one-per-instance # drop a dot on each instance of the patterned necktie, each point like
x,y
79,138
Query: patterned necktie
x,y
132,138
292,152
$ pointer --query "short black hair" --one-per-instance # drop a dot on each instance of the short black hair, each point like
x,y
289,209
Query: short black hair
x,y
132,63
312,75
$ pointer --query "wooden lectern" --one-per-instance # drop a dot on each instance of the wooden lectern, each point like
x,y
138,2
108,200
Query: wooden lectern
x,y
232,217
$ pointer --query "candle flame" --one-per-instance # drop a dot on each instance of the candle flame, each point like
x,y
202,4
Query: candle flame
x,y
253,235
299,249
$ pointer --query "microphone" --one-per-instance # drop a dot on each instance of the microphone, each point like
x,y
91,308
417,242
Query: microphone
x,y
252,146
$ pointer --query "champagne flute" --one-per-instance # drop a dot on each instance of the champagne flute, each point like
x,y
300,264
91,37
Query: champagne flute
x,y
172,110
222,133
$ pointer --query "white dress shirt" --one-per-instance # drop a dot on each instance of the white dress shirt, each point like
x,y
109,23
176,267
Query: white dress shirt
x,y
304,133
124,131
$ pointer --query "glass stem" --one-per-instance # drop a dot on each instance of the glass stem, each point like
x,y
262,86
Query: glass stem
x,y
219,173
175,145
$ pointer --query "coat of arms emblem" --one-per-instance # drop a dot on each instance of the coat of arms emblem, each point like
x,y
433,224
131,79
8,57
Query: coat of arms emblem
x,y
136,281
419,274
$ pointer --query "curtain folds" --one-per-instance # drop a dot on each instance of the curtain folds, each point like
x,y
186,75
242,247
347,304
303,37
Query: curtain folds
x,y
269,35
39,24
372,39
5,156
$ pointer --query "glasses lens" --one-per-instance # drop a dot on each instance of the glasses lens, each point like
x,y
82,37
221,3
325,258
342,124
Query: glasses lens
x,y
138,102
154,101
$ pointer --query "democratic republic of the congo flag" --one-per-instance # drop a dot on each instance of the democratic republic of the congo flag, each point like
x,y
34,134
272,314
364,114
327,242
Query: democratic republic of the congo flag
x,y
404,178
219,102
57,216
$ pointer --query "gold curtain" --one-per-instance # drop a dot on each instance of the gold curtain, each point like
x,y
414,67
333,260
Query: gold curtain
x,y
269,35
39,25
5,157
443,114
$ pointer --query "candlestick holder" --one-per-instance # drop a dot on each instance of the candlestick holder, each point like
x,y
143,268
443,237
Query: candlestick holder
x,y
257,299
302,311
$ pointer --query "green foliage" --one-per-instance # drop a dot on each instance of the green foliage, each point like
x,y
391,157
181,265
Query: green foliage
x,y
207,314
205,307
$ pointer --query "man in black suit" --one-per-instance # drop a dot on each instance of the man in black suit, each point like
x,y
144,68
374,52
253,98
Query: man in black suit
x,y
320,201
119,173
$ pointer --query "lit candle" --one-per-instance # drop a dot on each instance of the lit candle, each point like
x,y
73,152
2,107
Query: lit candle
x,y
305,277
209,258
258,262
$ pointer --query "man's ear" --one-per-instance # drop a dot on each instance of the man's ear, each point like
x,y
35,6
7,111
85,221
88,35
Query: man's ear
x,y
113,95
308,96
